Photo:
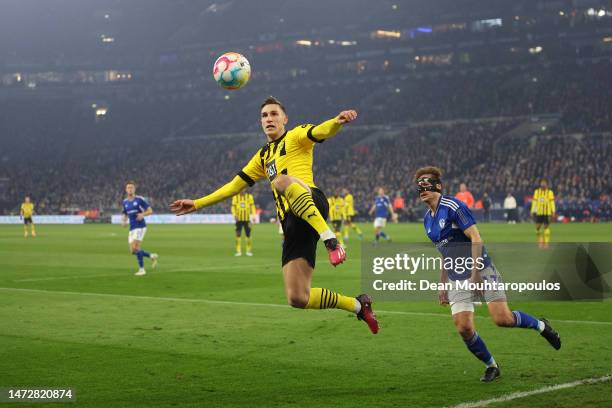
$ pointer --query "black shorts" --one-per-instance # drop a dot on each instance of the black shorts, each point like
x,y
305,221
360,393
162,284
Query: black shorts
x,y
27,220
243,224
300,238
542,219
348,219
337,225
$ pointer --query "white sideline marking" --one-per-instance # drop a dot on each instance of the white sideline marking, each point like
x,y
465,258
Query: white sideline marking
x,y
108,275
523,394
229,302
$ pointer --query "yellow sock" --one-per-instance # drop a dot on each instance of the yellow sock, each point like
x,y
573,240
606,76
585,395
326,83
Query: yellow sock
x,y
346,231
25,231
339,238
356,228
547,235
33,230
540,237
301,204
238,249
326,299
249,244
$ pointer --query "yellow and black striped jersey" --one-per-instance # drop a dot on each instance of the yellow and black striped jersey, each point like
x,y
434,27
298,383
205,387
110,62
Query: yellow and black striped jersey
x,y
290,154
27,209
349,209
243,206
543,202
336,208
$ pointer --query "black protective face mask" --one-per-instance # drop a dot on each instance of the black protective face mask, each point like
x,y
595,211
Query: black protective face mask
x,y
428,184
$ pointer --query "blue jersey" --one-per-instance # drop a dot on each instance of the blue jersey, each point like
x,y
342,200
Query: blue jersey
x,y
132,208
382,204
445,229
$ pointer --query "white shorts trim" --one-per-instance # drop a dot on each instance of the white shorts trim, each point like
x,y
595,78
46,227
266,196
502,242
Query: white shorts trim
x,y
137,234
458,307
380,222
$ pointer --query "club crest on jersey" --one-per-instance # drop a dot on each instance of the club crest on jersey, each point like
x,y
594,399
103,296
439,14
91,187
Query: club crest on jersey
x,y
442,222
271,170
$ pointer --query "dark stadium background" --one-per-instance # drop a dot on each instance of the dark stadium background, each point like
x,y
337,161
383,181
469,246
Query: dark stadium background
x,y
95,92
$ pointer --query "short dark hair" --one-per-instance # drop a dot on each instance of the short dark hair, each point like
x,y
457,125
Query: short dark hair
x,y
270,100
132,182
436,171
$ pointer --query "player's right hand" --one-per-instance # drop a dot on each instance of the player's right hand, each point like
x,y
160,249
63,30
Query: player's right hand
x,y
182,207
443,297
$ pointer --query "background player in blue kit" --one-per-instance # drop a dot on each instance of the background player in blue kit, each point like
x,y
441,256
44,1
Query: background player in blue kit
x,y
451,227
135,209
381,209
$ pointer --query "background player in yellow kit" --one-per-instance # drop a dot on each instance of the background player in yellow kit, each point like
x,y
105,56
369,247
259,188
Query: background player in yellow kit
x,y
542,208
243,210
26,212
336,214
349,213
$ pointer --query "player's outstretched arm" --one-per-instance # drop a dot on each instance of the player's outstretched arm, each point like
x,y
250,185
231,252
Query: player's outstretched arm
x,y
186,206
330,127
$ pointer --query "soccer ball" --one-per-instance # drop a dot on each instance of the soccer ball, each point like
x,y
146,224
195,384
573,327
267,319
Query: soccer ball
x,y
232,70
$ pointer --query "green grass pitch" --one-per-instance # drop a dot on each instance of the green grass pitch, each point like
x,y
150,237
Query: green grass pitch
x,y
206,329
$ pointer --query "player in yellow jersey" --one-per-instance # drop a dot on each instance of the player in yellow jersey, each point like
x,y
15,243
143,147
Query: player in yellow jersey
x,y
336,214
349,213
243,210
286,160
26,212
542,209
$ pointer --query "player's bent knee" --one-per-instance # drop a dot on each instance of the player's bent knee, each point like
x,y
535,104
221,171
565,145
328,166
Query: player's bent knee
x,y
281,182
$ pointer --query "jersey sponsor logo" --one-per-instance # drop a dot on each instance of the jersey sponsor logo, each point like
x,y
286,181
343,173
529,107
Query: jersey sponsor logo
x,y
271,170
242,205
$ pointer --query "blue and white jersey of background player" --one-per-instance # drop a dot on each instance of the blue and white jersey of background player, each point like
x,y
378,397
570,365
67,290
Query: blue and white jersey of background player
x,y
132,208
381,206
445,229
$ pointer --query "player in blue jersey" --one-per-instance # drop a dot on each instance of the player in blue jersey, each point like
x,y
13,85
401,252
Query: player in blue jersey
x,y
135,209
451,227
381,209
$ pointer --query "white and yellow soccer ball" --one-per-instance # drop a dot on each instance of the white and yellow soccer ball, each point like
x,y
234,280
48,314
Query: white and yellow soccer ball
x,y
232,70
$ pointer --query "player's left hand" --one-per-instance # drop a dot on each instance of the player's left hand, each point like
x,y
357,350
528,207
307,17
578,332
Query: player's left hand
x,y
140,216
394,218
346,116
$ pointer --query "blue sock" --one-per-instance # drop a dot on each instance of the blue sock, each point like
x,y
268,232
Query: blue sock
x,y
140,259
382,234
479,349
525,321
145,253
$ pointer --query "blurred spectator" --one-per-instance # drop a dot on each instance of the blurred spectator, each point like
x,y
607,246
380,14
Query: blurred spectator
x,y
465,196
486,206
511,208
399,205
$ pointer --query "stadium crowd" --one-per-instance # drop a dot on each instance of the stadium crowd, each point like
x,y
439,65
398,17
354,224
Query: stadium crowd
x,y
463,122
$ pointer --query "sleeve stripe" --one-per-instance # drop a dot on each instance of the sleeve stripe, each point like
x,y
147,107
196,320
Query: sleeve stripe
x,y
311,137
246,178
